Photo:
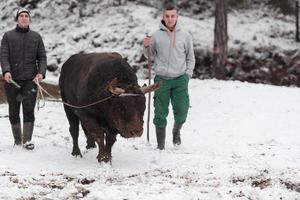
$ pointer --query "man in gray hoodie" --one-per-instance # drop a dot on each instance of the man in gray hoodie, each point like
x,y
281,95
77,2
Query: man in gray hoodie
x,y
174,61
23,60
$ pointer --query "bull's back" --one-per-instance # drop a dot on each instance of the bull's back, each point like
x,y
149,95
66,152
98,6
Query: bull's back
x,y
84,74
79,66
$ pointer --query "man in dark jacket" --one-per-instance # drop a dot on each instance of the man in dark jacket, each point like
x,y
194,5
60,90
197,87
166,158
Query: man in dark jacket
x,y
23,61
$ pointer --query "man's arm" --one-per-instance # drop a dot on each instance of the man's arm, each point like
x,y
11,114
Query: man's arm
x,y
190,56
4,59
42,58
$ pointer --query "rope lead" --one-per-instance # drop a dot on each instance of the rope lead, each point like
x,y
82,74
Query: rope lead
x,y
41,97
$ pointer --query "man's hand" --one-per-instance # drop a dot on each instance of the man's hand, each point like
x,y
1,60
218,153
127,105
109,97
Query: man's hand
x,y
7,77
147,41
39,77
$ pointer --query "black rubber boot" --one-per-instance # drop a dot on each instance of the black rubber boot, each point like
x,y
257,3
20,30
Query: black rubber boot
x,y
176,134
27,135
17,133
160,137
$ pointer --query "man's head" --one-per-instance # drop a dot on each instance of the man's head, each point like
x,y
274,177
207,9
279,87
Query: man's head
x,y
22,17
170,15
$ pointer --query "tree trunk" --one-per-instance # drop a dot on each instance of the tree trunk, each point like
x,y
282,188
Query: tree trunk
x,y
220,49
297,20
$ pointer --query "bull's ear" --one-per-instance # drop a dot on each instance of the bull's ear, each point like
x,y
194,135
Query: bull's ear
x,y
112,87
151,88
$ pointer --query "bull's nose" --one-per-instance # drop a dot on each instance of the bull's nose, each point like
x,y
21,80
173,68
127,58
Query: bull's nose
x,y
140,132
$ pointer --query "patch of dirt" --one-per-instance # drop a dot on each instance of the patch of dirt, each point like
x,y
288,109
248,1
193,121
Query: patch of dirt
x,y
263,181
256,181
291,186
50,88
47,183
86,181
7,173
260,181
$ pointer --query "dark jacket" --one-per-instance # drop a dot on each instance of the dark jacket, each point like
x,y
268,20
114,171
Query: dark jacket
x,y
23,54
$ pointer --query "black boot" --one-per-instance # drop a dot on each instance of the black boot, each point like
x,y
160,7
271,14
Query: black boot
x,y
16,129
160,137
176,134
27,135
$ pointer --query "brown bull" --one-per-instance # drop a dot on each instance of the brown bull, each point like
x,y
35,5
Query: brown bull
x,y
108,79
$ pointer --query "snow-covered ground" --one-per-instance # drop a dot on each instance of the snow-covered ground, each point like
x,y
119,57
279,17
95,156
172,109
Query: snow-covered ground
x,y
241,141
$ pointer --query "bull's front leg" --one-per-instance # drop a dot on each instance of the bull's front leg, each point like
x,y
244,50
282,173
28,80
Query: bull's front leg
x,y
110,140
103,155
94,129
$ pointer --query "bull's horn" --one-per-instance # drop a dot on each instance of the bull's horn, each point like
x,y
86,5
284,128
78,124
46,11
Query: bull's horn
x,y
151,88
112,87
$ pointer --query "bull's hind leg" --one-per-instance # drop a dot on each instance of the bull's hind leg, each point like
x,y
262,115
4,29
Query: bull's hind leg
x,y
90,142
74,130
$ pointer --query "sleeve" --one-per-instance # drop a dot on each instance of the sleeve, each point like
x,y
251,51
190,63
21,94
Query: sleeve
x,y
190,56
42,58
4,57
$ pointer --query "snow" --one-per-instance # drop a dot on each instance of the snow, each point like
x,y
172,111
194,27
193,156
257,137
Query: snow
x,y
237,135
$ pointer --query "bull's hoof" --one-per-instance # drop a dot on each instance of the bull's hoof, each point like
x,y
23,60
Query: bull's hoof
x,y
76,152
104,158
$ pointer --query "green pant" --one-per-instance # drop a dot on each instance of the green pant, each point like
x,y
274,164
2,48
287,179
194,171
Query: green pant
x,y
175,90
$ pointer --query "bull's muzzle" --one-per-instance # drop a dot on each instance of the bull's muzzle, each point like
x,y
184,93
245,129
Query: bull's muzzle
x,y
133,133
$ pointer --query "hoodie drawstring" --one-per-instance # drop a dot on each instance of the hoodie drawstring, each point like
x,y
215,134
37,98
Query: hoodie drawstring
x,y
173,37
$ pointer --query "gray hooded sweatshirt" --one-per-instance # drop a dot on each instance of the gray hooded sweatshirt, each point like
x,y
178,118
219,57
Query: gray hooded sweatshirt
x,y
173,52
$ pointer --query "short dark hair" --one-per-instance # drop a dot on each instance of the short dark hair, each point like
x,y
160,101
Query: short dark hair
x,y
170,6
